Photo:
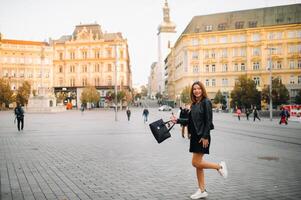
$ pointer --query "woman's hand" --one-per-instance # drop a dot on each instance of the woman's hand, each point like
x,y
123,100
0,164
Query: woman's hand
x,y
173,119
205,142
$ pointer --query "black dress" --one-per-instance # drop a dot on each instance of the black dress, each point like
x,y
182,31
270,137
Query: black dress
x,y
197,113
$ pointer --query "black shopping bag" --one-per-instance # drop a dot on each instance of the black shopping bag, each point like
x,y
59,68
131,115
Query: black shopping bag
x,y
159,130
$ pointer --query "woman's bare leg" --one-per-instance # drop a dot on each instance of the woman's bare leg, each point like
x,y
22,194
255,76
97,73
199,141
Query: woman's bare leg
x,y
200,165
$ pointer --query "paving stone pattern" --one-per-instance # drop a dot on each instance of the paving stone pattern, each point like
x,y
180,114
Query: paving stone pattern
x,y
74,156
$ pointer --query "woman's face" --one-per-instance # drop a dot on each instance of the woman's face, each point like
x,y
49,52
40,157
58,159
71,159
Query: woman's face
x,y
197,91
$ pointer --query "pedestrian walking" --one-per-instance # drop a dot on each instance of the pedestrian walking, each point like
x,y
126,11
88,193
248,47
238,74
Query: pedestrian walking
x,y
199,125
238,112
145,114
82,108
247,113
255,114
19,113
128,114
283,116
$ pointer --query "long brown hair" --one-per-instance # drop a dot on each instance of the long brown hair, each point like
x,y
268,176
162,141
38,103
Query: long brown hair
x,y
204,93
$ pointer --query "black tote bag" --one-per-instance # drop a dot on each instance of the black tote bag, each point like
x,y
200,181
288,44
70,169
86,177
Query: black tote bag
x,y
159,130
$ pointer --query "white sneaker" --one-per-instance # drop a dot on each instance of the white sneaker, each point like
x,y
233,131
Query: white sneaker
x,y
223,171
199,194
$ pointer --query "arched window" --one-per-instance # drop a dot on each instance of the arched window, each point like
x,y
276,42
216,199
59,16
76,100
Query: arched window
x,y
109,80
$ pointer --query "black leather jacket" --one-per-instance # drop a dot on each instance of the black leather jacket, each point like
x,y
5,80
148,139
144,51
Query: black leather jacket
x,y
200,117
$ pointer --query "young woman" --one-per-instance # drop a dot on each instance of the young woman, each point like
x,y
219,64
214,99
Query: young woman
x,y
199,126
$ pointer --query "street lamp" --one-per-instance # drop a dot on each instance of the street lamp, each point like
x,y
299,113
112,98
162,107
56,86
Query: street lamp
x,y
270,69
116,62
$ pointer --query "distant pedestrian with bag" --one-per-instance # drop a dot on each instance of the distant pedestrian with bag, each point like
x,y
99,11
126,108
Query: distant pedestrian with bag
x,y
255,114
247,113
238,112
283,116
199,125
145,114
128,113
19,113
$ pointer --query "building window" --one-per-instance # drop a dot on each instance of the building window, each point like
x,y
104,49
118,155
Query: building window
x,y
256,66
207,68
252,24
299,64
109,67
213,82
195,55
243,52
256,37
225,67
235,52
206,53
72,55
299,80
84,54
225,82
97,54
212,54
243,67
109,80
212,40
239,25
195,69
121,67
224,53
207,82
222,26
61,81
223,39
208,28
121,54
292,79
84,82
84,68
291,64
194,42
72,82
236,67
109,53
256,51
213,68
257,81
72,68
60,69
96,67
96,81
61,56
279,64
291,34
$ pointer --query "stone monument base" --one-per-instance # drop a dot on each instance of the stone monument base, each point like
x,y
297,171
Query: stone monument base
x,y
43,104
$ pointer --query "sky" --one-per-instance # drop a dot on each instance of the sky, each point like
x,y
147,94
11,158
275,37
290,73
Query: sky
x,y
137,20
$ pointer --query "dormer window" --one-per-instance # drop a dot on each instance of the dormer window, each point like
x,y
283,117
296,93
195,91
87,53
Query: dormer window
x,y
252,24
208,28
222,26
239,25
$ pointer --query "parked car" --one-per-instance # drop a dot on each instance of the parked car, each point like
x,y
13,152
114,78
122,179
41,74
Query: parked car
x,y
165,108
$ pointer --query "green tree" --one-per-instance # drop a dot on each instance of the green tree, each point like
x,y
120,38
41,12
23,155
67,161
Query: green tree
x,y
23,93
143,91
245,93
219,98
185,95
280,94
60,97
6,94
90,94
159,95
298,97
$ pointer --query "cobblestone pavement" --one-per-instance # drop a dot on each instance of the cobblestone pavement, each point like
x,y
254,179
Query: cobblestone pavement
x,y
85,156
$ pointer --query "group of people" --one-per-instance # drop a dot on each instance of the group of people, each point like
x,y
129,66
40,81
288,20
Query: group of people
x,y
248,112
145,114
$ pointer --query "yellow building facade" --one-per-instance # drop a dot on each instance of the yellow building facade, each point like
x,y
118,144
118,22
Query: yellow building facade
x,y
88,58
30,61
216,49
